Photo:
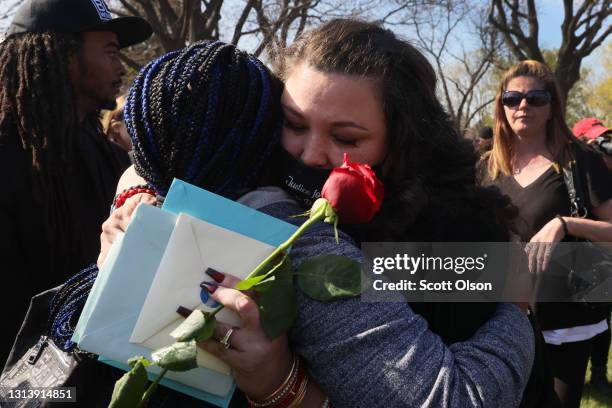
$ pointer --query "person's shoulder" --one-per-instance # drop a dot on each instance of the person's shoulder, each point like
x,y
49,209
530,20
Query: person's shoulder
x,y
590,161
265,196
585,152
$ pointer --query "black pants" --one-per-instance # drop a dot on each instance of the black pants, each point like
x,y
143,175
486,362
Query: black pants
x,y
601,346
569,363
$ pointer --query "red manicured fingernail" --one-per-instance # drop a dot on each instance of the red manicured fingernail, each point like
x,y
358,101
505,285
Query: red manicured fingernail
x,y
209,286
184,311
216,275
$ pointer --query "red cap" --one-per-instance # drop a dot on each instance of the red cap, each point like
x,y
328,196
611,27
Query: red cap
x,y
590,128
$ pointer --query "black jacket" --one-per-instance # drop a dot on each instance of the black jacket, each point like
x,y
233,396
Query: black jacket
x,y
29,260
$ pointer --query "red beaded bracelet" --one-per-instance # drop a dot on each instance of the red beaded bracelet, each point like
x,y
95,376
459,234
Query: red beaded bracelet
x,y
132,191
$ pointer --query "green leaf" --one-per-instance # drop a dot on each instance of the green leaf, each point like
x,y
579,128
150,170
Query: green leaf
x,y
277,307
278,302
130,388
249,283
199,325
276,269
265,285
132,361
180,356
329,277
207,331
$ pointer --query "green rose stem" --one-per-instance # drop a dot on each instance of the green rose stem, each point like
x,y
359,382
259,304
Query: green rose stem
x,y
151,389
321,210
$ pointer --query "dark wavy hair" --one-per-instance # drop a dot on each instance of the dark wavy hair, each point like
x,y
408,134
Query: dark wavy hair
x,y
208,114
429,165
38,112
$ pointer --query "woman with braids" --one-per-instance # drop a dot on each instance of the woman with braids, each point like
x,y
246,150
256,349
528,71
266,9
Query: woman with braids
x,y
58,66
360,354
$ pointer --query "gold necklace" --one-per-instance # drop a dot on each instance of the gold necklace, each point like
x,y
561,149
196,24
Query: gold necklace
x,y
518,171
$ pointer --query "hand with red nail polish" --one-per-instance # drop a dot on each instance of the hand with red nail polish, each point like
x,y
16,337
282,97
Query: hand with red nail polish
x,y
251,351
216,275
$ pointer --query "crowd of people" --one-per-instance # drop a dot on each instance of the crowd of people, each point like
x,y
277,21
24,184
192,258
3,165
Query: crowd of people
x,y
217,117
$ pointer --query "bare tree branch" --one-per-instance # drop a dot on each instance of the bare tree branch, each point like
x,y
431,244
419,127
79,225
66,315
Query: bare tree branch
x,y
241,20
583,29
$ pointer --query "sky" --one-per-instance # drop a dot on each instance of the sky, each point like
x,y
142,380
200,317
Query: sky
x,y
550,18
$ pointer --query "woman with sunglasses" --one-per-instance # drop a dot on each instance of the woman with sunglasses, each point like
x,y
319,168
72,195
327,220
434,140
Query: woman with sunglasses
x,y
532,144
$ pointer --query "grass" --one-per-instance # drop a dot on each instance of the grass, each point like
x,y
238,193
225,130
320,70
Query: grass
x,y
591,397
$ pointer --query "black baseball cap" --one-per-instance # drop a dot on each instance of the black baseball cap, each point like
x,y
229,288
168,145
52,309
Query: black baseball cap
x,y
77,16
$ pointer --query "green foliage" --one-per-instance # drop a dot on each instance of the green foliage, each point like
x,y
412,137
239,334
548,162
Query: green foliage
x,y
599,97
199,326
247,284
593,397
131,386
180,356
577,106
278,303
329,277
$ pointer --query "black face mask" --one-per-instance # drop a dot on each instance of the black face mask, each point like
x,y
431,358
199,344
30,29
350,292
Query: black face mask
x,y
302,182
305,183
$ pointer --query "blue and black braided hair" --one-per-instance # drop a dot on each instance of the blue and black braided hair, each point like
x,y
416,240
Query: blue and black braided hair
x,y
208,114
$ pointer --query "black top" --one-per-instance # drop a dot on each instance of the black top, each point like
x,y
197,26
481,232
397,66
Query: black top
x,y
541,201
547,196
29,265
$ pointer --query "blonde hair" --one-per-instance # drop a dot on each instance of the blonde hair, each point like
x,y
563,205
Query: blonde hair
x,y
109,115
558,134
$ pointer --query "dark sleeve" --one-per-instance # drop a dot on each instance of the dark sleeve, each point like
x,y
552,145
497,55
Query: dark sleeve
x,y
16,201
598,178
14,267
365,354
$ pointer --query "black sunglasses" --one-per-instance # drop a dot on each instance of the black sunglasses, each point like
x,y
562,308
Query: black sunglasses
x,y
534,98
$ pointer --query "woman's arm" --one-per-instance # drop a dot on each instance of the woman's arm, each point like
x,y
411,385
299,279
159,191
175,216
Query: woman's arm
x,y
378,354
382,354
599,230
544,241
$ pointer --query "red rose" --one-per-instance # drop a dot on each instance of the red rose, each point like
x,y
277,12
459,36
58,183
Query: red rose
x,y
354,192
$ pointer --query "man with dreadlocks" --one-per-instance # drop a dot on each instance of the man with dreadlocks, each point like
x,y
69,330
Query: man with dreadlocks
x,y
59,65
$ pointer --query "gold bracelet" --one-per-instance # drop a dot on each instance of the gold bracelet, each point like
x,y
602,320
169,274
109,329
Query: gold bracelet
x,y
288,388
289,381
301,393
282,390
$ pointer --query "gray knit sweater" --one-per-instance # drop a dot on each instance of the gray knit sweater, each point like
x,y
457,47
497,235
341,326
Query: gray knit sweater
x,y
383,355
